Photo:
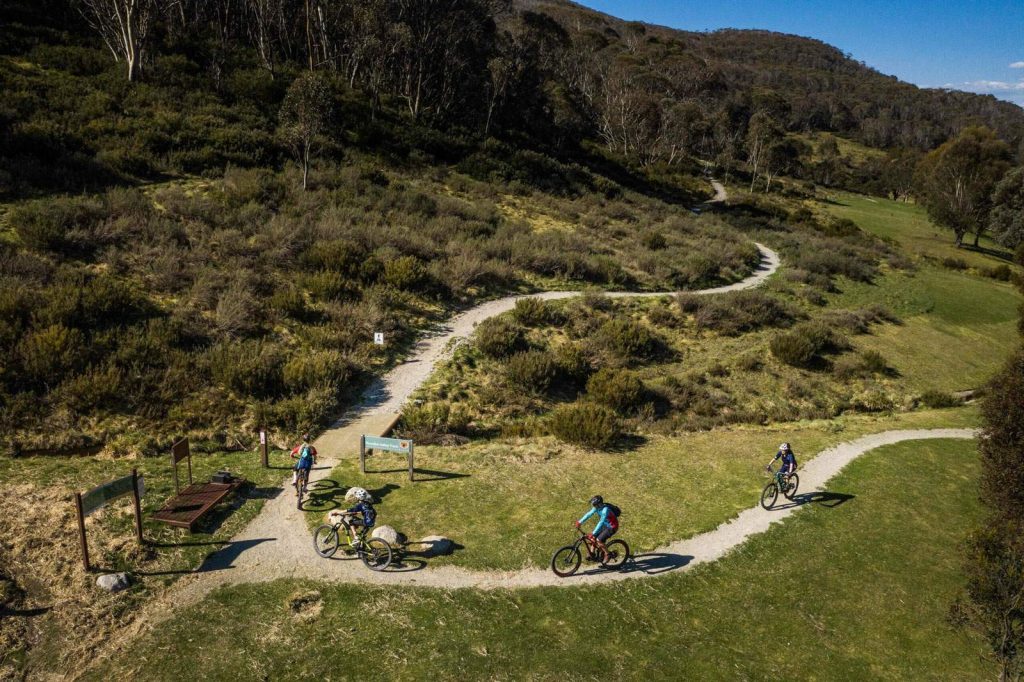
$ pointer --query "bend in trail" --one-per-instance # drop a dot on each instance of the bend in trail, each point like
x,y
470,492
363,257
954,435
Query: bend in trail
x,y
288,552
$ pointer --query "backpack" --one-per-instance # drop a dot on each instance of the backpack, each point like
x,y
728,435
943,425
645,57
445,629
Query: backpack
x,y
616,512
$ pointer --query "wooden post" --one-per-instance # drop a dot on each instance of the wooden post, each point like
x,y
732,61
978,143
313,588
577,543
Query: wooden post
x,y
174,468
190,467
81,531
138,506
412,446
362,454
263,448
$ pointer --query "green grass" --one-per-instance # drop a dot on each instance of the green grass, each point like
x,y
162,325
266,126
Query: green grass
x,y
511,503
909,226
956,328
855,591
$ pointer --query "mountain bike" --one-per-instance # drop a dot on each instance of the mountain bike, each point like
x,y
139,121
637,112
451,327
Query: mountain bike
x,y
301,480
567,560
780,483
376,553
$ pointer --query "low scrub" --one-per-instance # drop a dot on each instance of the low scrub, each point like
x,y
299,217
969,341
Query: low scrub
x,y
863,365
532,371
737,312
534,312
938,399
586,424
499,337
618,389
629,340
804,345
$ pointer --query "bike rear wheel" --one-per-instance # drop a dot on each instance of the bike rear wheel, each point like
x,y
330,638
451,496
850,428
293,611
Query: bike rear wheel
x,y
618,554
375,553
769,495
325,540
300,483
791,487
566,561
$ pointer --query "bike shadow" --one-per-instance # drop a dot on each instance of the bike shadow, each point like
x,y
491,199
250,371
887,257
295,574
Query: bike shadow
x,y
649,563
823,498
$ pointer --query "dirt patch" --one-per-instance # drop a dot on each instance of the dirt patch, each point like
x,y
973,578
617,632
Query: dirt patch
x,y
306,606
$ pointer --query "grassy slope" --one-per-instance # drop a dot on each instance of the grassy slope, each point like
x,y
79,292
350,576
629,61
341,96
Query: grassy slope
x,y
957,326
517,499
908,224
854,591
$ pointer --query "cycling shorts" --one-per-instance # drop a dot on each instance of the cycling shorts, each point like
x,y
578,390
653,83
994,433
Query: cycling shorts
x,y
605,533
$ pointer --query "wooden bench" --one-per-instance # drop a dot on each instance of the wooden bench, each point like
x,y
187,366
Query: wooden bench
x,y
191,503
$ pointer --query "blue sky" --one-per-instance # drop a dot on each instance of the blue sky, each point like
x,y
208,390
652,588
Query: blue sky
x,y
965,45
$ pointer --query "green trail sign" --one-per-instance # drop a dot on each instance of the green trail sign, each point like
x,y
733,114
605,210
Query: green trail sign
x,y
91,500
400,445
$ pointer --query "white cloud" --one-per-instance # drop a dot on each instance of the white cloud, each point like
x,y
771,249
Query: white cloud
x,y
991,86
1017,65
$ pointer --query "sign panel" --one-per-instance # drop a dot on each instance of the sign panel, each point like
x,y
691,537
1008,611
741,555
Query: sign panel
x,y
378,338
388,444
179,450
263,437
102,494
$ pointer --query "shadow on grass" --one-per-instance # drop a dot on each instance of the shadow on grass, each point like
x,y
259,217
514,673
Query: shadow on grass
x,y
822,498
650,563
23,613
422,475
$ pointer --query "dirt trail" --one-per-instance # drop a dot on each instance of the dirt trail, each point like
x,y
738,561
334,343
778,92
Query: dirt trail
x,y
277,545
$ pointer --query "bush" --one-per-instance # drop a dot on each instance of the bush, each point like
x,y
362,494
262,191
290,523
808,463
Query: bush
x,y
1002,273
497,337
251,368
406,274
937,399
738,312
573,363
238,311
532,371
587,424
803,345
534,312
954,263
655,241
48,353
429,423
628,339
863,365
54,224
618,389
316,369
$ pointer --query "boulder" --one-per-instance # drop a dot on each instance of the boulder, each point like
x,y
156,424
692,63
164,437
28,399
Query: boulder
x,y
356,494
113,582
388,535
436,545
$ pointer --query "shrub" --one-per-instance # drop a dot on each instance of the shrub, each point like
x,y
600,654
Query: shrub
x,y
954,263
863,365
802,346
1002,273
628,339
739,312
587,424
316,369
618,389
48,353
53,224
430,422
238,311
534,312
936,399
532,371
406,274
655,241
497,337
251,368
573,362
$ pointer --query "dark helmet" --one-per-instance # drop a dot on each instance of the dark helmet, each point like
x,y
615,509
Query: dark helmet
x,y
596,501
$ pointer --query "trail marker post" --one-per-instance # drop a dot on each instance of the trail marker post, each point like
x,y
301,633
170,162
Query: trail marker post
x,y
263,449
400,445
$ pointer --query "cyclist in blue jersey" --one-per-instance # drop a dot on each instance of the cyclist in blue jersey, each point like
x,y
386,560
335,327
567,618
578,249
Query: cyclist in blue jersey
x,y
785,453
306,454
368,515
607,522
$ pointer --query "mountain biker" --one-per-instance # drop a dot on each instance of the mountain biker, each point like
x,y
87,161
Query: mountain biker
x,y
306,454
369,516
607,522
788,458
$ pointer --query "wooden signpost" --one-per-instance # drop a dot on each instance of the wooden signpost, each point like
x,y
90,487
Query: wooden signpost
x,y
370,443
97,498
264,455
180,451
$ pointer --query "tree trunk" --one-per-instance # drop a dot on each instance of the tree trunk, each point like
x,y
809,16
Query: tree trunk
x,y
305,167
977,236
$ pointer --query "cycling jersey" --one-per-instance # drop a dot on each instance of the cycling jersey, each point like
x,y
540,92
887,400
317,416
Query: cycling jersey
x,y
368,512
305,454
605,516
788,460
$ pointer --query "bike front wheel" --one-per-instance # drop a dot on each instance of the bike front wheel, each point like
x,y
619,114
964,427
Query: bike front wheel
x,y
376,554
325,540
791,487
566,561
769,495
618,554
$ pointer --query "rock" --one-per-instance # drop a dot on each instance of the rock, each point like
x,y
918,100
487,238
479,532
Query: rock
x,y
436,545
114,582
356,494
388,535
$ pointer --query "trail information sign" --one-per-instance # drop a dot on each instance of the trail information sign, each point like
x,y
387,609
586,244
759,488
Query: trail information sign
x,y
400,445
88,502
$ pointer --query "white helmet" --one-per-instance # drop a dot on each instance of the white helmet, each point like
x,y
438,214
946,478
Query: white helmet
x,y
784,447
358,494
